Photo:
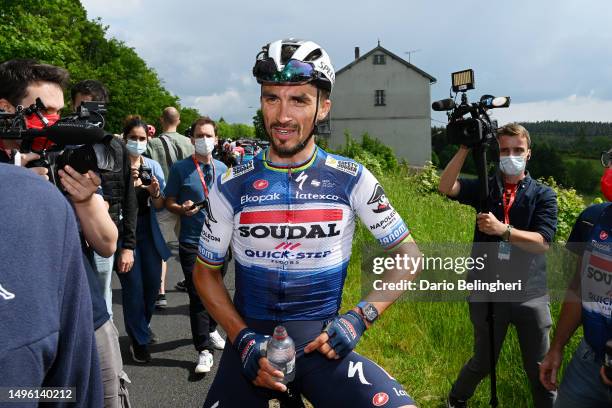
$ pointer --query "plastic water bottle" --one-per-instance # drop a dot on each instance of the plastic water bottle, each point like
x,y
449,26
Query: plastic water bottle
x,y
281,354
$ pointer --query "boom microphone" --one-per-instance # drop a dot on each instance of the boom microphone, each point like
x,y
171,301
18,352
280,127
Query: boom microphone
x,y
443,105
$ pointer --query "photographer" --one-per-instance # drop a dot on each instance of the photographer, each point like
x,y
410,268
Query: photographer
x,y
520,224
141,284
22,82
587,302
118,191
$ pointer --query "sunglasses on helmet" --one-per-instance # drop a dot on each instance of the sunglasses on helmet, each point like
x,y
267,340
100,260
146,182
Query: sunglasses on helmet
x,y
606,158
294,71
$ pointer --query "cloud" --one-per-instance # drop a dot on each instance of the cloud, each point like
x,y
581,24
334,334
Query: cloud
x,y
233,105
111,8
570,108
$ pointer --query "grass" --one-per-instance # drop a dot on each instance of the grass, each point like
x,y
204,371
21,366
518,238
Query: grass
x,y
424,345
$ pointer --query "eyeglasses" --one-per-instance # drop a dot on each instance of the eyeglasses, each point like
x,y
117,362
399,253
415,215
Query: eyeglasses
x,y
606,158
294,71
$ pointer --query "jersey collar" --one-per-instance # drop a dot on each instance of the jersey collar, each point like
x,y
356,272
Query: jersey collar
x,y
284,168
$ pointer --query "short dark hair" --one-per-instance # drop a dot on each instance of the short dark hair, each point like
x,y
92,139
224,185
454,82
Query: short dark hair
x,y
131,122
203,120
91,87
17,74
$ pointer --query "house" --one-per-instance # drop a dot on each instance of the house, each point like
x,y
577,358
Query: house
x,y
388,97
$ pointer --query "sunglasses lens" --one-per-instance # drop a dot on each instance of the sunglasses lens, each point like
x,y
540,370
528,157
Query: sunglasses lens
x,y
294,71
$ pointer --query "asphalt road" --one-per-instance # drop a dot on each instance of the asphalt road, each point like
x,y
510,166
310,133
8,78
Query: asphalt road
x,y
168,380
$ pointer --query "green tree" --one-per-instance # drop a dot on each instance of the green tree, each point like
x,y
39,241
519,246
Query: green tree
x,y
259,127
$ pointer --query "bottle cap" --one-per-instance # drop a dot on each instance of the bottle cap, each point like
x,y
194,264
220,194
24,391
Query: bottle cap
x,y
280,333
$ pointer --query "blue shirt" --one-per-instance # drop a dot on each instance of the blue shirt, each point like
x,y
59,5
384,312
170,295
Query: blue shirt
x,y
591,238
46,330
184,184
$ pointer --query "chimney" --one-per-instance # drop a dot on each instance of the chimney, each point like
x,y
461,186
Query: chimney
x,y
356,53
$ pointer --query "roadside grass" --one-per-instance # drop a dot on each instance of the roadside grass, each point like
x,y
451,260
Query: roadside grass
x,y
425,344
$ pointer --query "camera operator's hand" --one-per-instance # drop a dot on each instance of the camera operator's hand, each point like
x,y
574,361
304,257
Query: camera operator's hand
x,y
125,261
188,208
80,187
604,378
490,225
25,158
153,188
549,368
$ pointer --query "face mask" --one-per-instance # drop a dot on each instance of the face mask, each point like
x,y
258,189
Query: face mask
x,y
205,146
606,184
136,148
512,165
34,122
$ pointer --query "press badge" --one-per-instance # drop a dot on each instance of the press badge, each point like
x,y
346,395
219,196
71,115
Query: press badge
x,y
504,251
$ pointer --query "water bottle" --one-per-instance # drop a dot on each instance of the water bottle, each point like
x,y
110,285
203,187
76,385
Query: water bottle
x,y
281,354
608,360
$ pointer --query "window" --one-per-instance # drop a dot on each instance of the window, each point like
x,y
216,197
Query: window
x,y
379,59
379,98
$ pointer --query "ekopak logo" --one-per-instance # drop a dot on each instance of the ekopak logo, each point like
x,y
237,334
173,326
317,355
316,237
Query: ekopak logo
x,y
260,184
603,235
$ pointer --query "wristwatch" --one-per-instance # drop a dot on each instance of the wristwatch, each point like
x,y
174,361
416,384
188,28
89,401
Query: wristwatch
x,y
506,235
368,311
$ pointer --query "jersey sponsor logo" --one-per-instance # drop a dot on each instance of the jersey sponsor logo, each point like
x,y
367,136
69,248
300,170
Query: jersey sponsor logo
x,y
380,399
5,294
398,232
603,235
290,231
237,171
385,222
380,199
301,179
260,184
286,254
601,246
246,199
208,255
208,214
345,166
598,275
357,368
315,183
400,392
606,300
291,216
207,237
314,196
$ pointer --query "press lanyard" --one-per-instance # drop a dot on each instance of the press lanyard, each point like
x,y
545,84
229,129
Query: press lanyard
x,y
197,166
508,201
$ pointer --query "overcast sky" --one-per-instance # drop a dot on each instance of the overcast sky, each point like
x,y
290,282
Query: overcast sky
x,y
553,58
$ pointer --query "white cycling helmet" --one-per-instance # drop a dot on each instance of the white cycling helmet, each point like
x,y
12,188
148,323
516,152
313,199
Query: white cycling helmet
x,y
294,61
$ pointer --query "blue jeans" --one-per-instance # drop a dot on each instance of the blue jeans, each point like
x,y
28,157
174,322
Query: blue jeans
x,y
582,385
140,285
104,269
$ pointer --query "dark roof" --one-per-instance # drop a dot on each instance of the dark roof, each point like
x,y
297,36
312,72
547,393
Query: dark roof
x,y
380,48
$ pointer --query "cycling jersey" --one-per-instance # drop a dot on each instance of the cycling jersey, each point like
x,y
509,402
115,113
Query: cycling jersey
x,y
291,231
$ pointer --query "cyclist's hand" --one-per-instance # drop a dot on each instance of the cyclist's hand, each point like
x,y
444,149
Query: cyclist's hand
x,y
549,367
339,337
255,367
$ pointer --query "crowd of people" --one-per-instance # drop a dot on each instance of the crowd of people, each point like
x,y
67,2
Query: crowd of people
x,y
284,214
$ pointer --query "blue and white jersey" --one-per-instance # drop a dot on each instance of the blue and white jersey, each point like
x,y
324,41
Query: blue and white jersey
x,y
291,231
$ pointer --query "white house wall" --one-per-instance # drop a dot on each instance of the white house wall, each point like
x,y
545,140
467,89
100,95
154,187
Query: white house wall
x,y
403,123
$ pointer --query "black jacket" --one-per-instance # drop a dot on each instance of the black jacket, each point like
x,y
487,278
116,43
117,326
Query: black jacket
x,y
118,190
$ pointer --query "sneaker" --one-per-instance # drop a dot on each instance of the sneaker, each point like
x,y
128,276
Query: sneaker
x,y
153,338
180,285
161,301
205,362
217,341
452,402
140,353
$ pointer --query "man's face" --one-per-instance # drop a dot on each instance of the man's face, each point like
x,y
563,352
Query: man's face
x,y
513,146
288,113
50,94
203,131
80,98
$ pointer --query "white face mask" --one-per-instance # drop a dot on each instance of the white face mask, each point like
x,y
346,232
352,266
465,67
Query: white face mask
x,y
205,145
135,147
512,165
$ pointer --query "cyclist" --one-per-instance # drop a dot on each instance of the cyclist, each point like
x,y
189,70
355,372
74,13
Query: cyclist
x,y
290,216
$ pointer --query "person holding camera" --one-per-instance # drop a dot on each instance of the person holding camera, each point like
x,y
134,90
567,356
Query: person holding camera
x,y
513,233
586,382
140,285
118,191
188,185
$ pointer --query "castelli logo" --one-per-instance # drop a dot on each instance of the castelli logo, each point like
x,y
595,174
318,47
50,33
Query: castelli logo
x,y
380,399
260,184
603,235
